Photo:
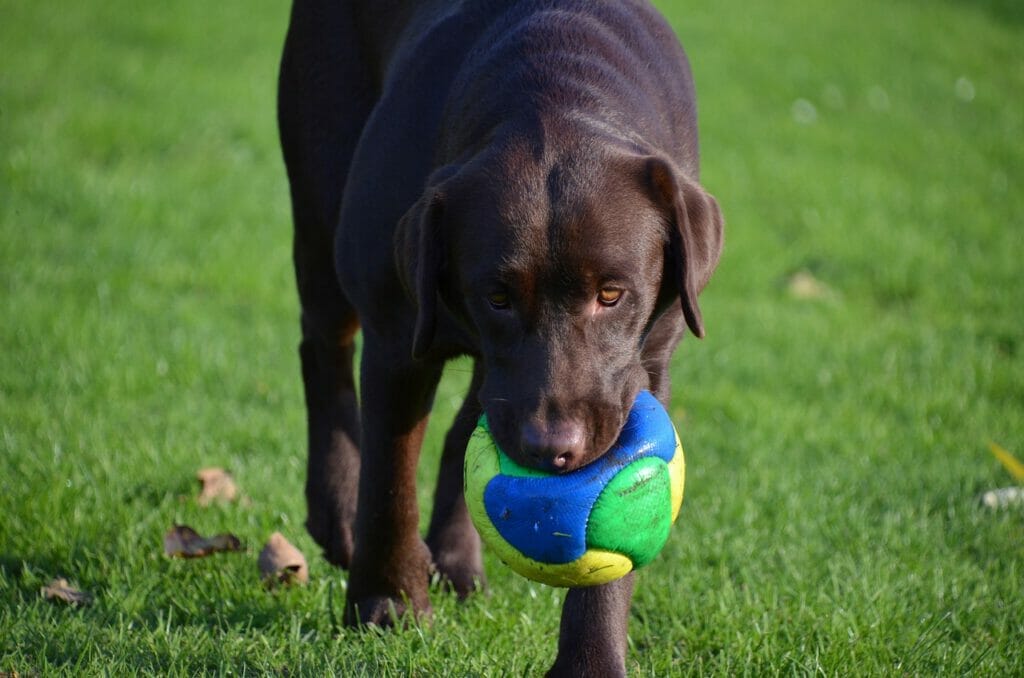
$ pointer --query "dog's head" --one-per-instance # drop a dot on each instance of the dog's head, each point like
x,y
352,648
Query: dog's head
x,y
559,266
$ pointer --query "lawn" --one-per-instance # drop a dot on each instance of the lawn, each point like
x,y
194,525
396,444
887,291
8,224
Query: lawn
x,y
865,343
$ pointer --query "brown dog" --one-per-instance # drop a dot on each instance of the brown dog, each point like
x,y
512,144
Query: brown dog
x,y
510,180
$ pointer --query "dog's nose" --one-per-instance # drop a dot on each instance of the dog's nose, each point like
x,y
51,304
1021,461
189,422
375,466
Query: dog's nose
x,y
557,447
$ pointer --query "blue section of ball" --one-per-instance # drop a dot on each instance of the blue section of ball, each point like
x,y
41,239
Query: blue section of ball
x,y
545,518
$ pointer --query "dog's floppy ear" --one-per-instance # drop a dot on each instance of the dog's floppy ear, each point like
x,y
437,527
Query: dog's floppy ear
x,y
695,232
419,256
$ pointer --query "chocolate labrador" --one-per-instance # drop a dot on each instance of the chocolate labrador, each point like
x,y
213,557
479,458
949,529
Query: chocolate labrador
x,y
511,180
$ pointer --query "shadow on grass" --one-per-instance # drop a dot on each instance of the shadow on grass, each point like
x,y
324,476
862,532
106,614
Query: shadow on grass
x,y
1004,10
156,606
28,573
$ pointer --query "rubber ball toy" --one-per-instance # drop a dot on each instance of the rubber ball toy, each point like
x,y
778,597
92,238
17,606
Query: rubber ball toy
x,y
591,525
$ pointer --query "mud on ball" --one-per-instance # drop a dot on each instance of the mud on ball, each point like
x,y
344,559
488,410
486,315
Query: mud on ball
x,y
592,525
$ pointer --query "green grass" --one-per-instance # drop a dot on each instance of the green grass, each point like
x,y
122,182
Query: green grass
x,y
836,446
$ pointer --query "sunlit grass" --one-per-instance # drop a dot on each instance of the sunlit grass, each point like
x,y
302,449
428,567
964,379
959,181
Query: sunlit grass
x,y
836,444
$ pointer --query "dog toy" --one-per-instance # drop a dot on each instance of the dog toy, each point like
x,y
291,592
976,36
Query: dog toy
x,y
589,526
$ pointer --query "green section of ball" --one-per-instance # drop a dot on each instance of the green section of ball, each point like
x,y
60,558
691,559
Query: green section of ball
x,y
510,468
633,514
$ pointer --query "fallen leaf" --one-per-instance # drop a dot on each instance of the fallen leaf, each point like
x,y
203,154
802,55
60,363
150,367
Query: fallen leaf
x,y
280,562
803,285
215,484
181,541
60,589
1002,498
1008,461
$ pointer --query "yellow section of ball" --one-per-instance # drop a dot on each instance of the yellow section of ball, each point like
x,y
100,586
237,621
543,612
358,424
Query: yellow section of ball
x,y
592,568
677,477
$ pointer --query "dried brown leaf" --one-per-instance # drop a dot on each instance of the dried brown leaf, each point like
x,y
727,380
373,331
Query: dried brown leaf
x,y
280,562
60,589
803,285
216,484
181,541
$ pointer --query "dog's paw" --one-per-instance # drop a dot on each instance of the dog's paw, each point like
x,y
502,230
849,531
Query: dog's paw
x,y
584,669
386,612
460,570
389,591
461,579
455,549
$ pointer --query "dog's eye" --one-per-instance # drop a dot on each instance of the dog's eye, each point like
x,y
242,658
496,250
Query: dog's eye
x,y
499,301
609,296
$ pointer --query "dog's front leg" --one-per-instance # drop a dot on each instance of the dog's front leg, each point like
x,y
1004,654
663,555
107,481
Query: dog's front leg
x,y
391,564
592,638
453,541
